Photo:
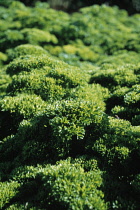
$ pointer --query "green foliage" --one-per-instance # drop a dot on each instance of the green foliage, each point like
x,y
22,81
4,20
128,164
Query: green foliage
x,y
23,104
10,38
35,83
7,191
69,88
121,58
67,185
25,49
125,103
3,58
85,195
62,129
29,62
4,82
74,53
136,183
117,145
94,93
52,79
38,37
92,28
15,109
113,77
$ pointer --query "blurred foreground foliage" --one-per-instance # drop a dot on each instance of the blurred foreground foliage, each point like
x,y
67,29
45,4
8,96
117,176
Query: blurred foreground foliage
x,y
69,107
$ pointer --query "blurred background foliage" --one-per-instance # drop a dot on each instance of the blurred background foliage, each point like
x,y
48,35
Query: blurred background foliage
x,y
132,6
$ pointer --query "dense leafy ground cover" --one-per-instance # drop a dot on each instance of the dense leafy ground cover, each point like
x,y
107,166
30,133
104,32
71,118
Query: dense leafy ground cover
x,y
69,108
